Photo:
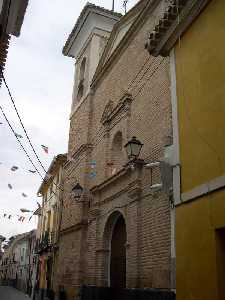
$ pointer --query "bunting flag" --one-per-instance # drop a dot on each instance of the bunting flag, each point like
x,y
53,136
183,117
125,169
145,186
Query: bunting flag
x,y
32,171
19,136
10,186
93,174
93,164
24,210
14,168
45,148
18,217
24,195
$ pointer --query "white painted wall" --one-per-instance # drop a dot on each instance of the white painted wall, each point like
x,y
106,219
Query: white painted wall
x,y
93,21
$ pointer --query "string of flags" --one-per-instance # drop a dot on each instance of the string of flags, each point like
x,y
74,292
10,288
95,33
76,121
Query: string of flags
x,y
19,136
16,217
15,168
11,187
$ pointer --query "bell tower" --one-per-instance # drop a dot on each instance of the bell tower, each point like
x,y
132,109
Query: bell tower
x,y
86,44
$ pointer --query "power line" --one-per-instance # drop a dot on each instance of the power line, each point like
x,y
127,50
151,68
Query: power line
x,y
21,145
24,129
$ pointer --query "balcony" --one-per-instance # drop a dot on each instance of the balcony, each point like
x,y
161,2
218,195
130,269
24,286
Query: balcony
x,y
46,243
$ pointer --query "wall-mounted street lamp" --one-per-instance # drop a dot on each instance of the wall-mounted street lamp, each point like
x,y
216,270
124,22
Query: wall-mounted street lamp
x,y
81,194
77,191
133,148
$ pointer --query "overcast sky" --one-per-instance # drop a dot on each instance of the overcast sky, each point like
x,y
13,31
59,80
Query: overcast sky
x,y
40,79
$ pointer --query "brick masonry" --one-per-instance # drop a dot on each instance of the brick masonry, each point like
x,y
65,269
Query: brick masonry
x,y
137,86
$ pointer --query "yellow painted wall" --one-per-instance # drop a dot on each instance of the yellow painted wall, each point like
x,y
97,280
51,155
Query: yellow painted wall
x,y
196,248
200,69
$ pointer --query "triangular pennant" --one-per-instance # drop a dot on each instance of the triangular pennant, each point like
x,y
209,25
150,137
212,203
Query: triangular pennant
x,y
14,168
45,148
19,136
32,171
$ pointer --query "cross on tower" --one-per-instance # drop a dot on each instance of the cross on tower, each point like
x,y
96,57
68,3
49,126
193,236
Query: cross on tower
x,y
125,5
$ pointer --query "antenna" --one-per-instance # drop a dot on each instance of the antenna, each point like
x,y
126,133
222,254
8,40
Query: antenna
x,y
125,5
113,5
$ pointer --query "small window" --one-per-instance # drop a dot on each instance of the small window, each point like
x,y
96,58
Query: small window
x,y
117,160
80,92
82,69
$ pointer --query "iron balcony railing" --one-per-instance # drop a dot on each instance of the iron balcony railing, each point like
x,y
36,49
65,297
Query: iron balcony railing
x,y
47,241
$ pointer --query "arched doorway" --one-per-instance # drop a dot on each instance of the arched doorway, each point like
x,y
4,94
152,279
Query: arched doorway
x,y
118,254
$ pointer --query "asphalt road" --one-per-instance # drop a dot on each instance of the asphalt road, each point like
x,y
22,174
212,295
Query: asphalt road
x,y
8,293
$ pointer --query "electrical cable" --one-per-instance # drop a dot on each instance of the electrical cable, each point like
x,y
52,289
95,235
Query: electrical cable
x,y
18,115
28,138
24,150
21,145
24,129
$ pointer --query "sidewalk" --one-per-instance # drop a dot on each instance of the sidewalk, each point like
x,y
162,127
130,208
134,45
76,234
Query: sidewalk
x,y
9,293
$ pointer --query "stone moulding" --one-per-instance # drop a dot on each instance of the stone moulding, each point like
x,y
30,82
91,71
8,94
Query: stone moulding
x,y
76,154
75,227
112,114
179,15
109,181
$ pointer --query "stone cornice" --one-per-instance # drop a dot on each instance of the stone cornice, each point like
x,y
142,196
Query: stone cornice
x,y
88,8
4,45
114,114
75,227
109,181
175,21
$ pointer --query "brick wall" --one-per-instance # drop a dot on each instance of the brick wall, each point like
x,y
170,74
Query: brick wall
x,y
138,87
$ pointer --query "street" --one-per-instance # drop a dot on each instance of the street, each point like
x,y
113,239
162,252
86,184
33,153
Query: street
x,y
9,293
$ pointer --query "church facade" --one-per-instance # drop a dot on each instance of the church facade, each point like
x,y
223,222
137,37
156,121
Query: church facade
x,y
117,232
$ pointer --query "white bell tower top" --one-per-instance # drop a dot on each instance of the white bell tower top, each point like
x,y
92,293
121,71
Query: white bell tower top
x,y
86,44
